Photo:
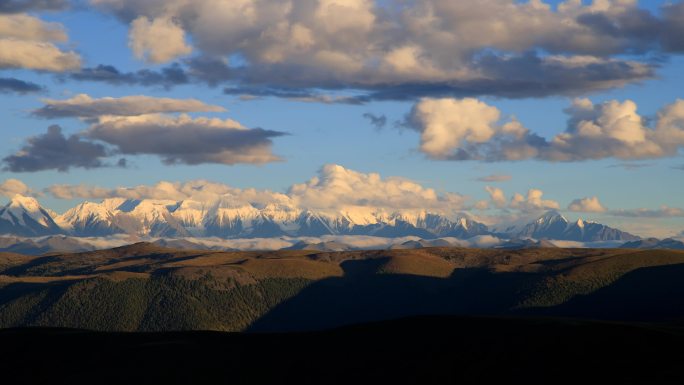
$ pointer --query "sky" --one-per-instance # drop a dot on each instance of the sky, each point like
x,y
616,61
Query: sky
x,y
502,109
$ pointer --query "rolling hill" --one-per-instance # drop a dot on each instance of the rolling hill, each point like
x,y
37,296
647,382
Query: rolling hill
x,y
146,287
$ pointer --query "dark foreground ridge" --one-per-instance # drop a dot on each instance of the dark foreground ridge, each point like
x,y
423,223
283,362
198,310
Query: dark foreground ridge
x,y
440,315
420,350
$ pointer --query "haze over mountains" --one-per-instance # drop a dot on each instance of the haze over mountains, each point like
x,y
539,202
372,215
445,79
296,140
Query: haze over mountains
x,y
24,216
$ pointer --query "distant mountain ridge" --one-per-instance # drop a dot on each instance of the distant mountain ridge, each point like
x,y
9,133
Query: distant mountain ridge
x,y
654,243
24,216
554,225
39,246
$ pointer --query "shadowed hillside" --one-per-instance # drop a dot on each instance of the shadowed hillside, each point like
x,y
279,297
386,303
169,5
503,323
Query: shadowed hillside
x,y
644,294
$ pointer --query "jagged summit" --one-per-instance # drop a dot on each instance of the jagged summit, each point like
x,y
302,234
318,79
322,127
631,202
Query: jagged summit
x,y
553,225
551,216
26,217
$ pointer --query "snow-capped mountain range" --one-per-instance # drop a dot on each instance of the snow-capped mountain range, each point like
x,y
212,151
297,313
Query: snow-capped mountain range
x,y
553,225
25,216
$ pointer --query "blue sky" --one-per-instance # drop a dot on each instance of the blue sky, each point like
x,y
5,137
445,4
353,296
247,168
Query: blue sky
x,y
321,133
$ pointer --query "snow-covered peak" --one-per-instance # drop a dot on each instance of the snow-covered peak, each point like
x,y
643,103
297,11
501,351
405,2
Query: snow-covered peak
x,y
241,209
229,212
283,214
192,214
194,206
464,223
128,205
403,216
580,223
276,208
358,215
551,216
20,207
149,209
113,204
84,212
28,204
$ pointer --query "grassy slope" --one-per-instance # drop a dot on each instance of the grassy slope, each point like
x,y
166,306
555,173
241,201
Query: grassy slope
x,y
158,303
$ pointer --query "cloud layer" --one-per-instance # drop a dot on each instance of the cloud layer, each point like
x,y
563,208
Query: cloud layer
x,y
334,188
166,78
662,212
469,129
186,140
141,125
16,6
396,49
337,186
83,106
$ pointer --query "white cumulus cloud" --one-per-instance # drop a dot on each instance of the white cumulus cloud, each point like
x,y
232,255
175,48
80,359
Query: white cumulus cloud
x,y
587,205
158,40
25,27
533,201
36,55
336,186
465,129
497,196
28,42
12,187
